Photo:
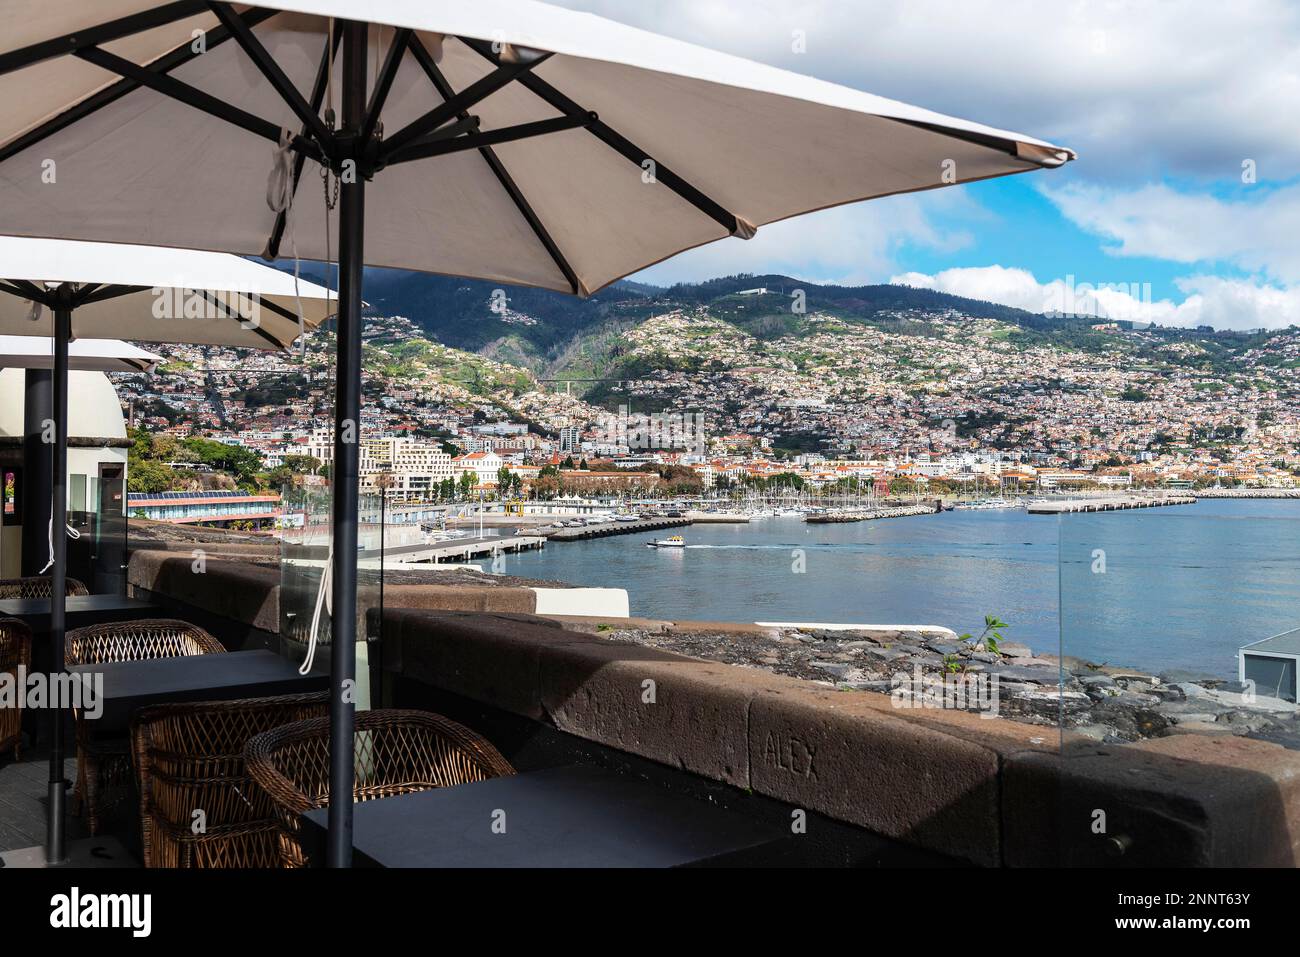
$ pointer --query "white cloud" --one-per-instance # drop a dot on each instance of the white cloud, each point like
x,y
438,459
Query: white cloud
x,y
1239,304
1210,300
1256,233
852,245
1145,92
1137,88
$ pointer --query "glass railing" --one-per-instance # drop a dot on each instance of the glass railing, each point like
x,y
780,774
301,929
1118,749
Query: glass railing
x,y
305,608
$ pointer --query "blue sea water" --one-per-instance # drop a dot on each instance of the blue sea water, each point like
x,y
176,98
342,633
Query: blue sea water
x,y
1173,587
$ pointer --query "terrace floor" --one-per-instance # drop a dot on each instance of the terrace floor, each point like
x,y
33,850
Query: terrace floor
x,y
23,800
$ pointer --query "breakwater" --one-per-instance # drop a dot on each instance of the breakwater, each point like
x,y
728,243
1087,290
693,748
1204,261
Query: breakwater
x,y
1288,493
1106,504
611,528
870,514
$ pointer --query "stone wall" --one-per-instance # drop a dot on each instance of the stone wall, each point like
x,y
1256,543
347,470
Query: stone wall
x,y
243,583
988,790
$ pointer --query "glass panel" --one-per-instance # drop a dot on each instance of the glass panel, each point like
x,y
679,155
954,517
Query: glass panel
x,y
97,556
1178,629
77,493
305,551
111,547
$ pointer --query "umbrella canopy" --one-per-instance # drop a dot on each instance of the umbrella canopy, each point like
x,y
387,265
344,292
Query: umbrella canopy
x,y
84,355
543,122
149,294
506,140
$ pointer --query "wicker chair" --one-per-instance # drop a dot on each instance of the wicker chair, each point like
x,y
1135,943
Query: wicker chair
x,y
396,752
15,653
190,757
105,762
38,586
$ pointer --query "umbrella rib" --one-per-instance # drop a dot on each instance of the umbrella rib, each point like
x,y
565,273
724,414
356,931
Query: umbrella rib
x,y
18,292
621,144
102,293
387,73
499,170
97,101
171,87
278,309
263,60
441,146
317,97
227,314
103,33
1001,144
29,290
464,123
477,91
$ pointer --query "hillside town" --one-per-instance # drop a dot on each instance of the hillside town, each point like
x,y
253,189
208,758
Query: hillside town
x,y
933,401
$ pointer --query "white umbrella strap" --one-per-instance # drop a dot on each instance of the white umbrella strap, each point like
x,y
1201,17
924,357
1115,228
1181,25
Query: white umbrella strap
x,y
324,601
279,197
72,534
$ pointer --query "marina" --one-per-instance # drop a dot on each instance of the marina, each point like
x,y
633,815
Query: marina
x,y
1225,568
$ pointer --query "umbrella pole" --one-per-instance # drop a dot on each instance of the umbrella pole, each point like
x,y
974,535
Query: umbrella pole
x,y
38,466
347,428
56,836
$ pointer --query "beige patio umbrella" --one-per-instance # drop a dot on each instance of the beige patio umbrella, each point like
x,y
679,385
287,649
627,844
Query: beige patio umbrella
x,y
506,140
84,355
52,291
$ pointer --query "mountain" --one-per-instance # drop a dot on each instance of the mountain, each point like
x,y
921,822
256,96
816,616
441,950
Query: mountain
x,y
557,336
537,327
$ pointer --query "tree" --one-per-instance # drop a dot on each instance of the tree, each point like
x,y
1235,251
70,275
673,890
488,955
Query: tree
x,y
504,475
301,464
546,486
244,464
467,482
146,475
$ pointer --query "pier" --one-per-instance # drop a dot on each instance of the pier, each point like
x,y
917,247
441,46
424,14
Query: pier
x,y
461,549
1068,506
614,528
724,518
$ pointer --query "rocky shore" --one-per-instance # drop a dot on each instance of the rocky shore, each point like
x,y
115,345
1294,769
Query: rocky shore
x,y
918,665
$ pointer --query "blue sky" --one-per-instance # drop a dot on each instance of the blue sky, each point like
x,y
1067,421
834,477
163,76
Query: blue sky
x,y
1184,116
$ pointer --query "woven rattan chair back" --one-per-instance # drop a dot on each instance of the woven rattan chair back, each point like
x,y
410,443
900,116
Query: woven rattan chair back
x,y
15,654
38,586
395,752
104,765
137,640
198,805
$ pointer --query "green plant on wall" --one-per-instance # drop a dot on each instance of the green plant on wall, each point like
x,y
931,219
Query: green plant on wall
x,y
991,636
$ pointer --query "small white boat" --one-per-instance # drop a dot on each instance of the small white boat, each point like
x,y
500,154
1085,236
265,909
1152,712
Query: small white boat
x,y
673,541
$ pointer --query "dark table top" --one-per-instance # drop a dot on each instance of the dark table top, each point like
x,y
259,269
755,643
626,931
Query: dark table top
x,y
559,817
81,610
131,685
